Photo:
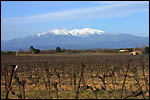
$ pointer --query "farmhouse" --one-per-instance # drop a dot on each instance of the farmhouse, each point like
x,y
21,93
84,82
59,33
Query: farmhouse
x,y
123,50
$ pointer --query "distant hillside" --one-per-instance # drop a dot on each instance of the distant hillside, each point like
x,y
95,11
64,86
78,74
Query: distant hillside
x,y
85,38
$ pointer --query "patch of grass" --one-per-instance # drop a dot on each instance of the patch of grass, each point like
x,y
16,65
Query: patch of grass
x,y
41,94
3,94
67,94
83,94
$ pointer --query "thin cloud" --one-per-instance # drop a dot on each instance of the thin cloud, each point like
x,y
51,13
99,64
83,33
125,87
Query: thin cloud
x,y
118,2
113,10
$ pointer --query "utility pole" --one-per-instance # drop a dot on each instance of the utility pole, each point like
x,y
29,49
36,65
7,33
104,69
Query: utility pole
x,y
16,52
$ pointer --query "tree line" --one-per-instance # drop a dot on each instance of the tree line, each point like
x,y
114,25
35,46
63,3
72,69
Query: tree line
x,y
144,50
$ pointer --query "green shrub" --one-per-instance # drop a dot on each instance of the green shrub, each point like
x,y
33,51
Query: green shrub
x,y
7,52
36,51
145,50
58,49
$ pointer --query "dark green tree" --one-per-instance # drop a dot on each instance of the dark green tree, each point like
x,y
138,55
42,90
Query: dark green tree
x,y
9,52
145,50
58,49
31,48
36,51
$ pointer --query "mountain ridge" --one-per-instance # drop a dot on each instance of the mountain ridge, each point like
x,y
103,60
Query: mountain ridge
x,y
85,38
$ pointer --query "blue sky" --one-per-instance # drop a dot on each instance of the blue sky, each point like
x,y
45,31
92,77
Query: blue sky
x,y
24,18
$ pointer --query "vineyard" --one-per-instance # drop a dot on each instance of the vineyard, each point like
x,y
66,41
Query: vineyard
x,y
75,77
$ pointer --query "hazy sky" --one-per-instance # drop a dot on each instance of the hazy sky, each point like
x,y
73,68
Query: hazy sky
x,y
24,18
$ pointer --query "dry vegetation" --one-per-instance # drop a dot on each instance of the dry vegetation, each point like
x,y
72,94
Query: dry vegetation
x,y
76,77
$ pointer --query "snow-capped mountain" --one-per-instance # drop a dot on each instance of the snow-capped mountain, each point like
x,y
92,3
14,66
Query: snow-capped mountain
x,y
85,38
76,32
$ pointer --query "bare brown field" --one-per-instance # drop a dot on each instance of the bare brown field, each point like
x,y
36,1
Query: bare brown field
x,y
76,76
73,54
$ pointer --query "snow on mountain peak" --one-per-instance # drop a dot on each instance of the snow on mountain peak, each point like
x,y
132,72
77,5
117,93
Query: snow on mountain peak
x,y
39,34
60,31
74,32
85,32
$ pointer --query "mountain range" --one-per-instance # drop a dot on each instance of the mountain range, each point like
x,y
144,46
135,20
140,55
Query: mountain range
x,y
85,38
